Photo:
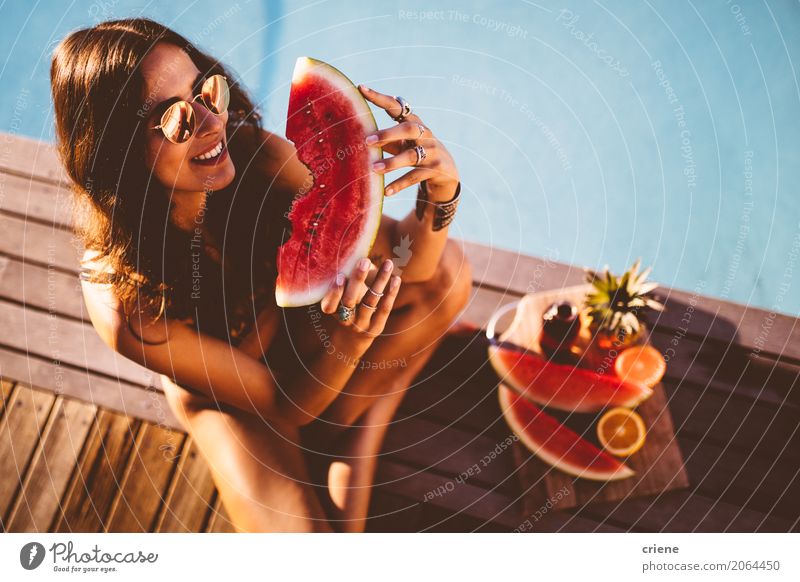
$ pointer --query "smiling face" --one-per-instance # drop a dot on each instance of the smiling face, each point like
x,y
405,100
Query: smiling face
x,y
170,76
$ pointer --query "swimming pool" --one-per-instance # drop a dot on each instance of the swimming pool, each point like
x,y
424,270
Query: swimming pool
x,y
590,133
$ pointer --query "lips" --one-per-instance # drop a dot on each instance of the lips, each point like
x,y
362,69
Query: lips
x,y
213,156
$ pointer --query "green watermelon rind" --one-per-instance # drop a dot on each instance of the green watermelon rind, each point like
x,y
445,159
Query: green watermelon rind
x,y
286,298
506,399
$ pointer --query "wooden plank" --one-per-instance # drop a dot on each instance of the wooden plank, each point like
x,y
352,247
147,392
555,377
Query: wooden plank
x,y
517,274
566,522
725,419
32,199
767,483
6,387
191,493
461,455
755,328
392,514
482,305
434,519
729,368
98,475
399,479
68,342
112,394
46,245
52,465
219,521
20,429
48,289
146,479
29,157
684,511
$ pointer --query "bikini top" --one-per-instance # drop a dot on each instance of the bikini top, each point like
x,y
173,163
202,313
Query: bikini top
x,y
240,322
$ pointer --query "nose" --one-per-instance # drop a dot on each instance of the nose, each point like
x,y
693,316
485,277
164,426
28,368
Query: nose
x,y
207,122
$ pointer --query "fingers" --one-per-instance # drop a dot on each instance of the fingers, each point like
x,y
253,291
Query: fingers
x,y
409,179
370,300
406,158
338,293
330,302
406,130
354,287
384,307
385,102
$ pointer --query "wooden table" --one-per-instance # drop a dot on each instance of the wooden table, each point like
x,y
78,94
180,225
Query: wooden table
x,y
87,442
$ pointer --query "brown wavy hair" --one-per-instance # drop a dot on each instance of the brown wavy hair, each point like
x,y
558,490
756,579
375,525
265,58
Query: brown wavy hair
x,y
123,213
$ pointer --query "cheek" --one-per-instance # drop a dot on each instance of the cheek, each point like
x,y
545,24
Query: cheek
x,y
166,160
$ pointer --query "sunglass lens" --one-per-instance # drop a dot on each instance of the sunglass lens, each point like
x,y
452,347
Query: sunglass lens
x,y
177,123
216,94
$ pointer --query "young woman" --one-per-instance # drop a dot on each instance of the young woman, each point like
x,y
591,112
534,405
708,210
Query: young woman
x,y
181,202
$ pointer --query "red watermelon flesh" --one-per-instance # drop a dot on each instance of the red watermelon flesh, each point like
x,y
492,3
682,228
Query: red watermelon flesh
x,y
334,222
562,386
556,444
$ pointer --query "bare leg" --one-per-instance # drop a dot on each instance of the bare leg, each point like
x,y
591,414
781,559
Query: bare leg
x,y
373,395
258,467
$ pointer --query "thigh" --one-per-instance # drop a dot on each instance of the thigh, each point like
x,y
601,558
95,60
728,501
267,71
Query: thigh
x,y
258,467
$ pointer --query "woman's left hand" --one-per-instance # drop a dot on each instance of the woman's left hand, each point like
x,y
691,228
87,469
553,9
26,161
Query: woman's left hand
x,y
438,168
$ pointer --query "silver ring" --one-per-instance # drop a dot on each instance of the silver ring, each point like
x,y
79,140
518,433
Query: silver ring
x,y
370,307
422,129
344,312
405,109
375,293
421,155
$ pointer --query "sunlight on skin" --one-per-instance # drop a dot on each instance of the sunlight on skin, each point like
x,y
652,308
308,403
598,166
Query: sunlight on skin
x,y
339,478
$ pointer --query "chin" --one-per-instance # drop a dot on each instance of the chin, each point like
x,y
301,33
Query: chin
x,y
216,178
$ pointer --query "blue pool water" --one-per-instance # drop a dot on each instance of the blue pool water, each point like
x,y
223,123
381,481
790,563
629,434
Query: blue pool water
x,y
588,132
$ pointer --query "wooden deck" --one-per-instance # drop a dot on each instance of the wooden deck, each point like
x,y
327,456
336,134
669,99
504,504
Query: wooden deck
x,y
87,442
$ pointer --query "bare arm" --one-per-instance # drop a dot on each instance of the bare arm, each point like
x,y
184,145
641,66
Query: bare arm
x,y
319,382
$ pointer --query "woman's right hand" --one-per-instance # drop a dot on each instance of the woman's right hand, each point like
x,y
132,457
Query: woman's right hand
x,y
371,305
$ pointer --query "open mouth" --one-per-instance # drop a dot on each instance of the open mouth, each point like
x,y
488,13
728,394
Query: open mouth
x,y
213,156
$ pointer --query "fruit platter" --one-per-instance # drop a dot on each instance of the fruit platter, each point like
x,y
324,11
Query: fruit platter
x,y
580,387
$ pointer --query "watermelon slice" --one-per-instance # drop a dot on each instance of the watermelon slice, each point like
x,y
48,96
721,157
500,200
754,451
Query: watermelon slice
x,y
562,386
336,221
556,444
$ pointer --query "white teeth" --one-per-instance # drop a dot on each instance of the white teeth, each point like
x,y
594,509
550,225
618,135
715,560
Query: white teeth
x,y
210,154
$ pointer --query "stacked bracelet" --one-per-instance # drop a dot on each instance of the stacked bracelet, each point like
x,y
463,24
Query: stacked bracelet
x,y
444,212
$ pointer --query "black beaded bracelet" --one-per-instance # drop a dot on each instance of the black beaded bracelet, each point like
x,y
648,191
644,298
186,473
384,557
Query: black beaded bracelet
x,y
444,212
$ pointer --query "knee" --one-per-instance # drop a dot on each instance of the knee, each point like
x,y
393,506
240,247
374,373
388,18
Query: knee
x,y
450,288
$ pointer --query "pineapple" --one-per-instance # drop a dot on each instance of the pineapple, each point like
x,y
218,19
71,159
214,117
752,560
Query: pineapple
x,y
615,305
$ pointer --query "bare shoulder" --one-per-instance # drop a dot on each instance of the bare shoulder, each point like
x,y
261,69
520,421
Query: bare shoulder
x,y
107,313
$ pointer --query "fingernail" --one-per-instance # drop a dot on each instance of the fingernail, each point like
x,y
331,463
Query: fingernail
x,y
363,264
378,166
395,282
389,190
387,265
340,279
365,88
371,139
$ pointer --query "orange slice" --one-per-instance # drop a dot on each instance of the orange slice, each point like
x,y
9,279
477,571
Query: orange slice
x,y
642,364
621,431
